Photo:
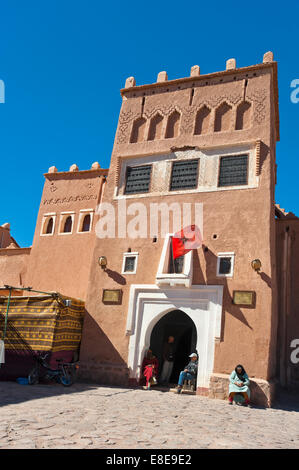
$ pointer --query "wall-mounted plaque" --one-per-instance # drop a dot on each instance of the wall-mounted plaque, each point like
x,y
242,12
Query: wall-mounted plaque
x,y
244,298
112,296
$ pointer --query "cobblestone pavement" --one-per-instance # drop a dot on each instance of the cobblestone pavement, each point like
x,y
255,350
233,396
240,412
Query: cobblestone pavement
x,y
91,416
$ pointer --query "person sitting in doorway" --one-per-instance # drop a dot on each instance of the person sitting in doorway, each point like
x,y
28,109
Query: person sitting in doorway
x,y
168,357
150,366
239,383
189,373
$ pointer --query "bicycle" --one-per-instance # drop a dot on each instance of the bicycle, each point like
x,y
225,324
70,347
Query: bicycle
x,y
64,374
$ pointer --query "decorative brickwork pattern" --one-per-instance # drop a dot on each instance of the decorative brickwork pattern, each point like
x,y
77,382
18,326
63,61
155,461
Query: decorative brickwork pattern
x,y
234,100
125,119
66,200
258,96
188,117
117,171
258,157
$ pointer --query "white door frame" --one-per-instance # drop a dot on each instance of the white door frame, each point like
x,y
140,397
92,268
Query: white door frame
x,y
149,303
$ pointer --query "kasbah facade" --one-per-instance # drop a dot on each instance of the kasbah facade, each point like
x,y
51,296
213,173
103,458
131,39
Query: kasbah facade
x,y
220,128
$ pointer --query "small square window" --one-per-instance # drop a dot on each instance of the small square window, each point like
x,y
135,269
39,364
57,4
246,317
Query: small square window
x,y
130,263
225,264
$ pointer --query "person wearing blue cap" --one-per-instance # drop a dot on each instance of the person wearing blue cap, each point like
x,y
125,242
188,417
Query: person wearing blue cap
x,y
189,373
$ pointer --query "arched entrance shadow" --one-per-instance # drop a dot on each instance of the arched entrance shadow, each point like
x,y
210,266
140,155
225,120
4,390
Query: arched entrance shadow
x,y
178,324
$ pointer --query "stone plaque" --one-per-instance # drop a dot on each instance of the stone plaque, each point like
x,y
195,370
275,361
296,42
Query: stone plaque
x,y
244,298
112,296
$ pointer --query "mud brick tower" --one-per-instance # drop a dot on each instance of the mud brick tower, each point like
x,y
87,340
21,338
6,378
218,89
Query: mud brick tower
x,y
206,139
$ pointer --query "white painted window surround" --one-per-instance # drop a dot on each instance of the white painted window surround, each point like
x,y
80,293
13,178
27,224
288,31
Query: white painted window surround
x,y
82,214
45,220
208,173
149,303
164,278
226,255
63,217
130,255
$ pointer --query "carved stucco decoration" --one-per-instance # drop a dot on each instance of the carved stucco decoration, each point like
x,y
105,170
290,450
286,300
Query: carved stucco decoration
x,y
53,187
258,96
66,200
164,110
188,113
188,118
125,118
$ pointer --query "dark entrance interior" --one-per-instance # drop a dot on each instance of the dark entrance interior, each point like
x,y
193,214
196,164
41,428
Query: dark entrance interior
x,y
179,325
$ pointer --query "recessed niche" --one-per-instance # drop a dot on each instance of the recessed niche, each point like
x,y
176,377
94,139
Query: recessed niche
x,y
172,129
202,121
155,130
137,134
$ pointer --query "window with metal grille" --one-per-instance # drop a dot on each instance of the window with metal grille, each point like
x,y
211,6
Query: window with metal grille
x,y
177,265
138,179
225,265
130,264
233,170
184,175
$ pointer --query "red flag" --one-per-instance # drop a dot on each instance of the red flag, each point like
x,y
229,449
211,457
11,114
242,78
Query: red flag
x,y
186,240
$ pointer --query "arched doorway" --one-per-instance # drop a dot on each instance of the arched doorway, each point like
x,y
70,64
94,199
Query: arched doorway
x,y
179,325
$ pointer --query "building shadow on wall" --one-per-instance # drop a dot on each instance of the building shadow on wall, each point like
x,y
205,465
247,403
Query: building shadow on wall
x,y
100,362
281,401
206,278
20,360
287,400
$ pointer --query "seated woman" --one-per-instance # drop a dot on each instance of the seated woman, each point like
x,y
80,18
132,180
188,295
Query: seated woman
x,y
150,368
239,383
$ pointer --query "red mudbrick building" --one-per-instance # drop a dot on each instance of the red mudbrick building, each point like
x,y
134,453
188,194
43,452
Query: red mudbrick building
x,y
207,140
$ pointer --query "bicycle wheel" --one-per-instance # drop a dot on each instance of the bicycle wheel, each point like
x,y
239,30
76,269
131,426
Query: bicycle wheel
x,y
33,376
66,379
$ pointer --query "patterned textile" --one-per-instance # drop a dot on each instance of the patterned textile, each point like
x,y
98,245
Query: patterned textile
x,y
42,323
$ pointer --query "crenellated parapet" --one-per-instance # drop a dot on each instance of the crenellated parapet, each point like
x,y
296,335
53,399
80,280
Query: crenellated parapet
x,y
235,99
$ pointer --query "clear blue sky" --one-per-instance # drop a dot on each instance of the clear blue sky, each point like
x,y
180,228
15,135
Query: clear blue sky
x,y
63,63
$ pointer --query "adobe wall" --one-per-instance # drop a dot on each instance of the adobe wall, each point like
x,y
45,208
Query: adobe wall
x,y
61,261
5,237
243,220
13,266
288,281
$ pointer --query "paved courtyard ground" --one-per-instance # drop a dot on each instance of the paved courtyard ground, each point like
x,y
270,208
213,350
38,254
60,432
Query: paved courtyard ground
x,y
91,416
